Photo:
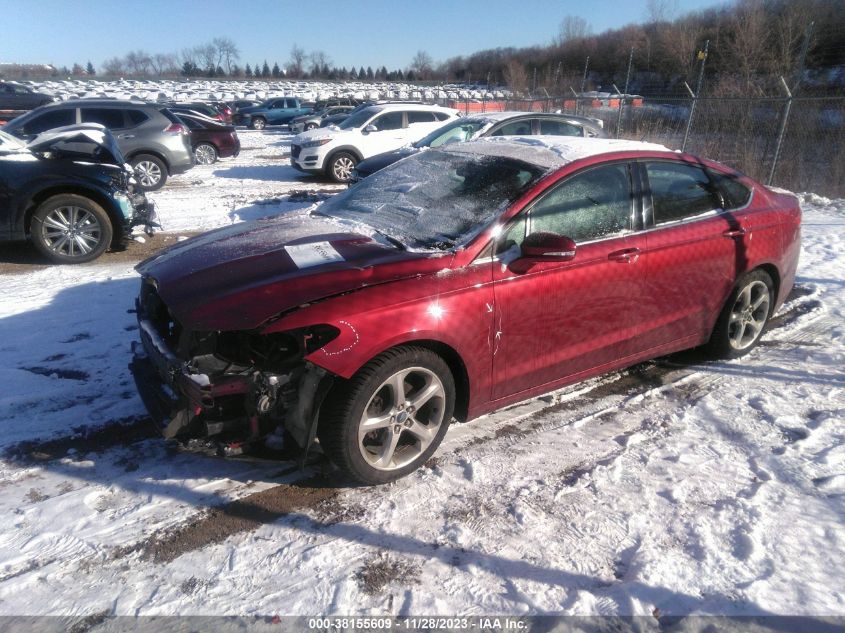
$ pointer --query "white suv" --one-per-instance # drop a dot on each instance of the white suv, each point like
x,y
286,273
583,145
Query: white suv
x,y
380,128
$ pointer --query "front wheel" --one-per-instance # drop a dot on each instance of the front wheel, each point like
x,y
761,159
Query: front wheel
x,y
311,126
389,418
258,123
150,172
744,316
71,229
341,166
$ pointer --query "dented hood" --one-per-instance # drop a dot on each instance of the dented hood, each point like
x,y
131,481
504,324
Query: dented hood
x,y
89,141
238,277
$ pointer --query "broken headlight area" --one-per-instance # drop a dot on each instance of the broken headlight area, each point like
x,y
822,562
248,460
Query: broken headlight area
x,y
228,390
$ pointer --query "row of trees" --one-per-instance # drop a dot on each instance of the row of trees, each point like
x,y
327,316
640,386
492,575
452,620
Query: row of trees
x,y
220,57
751,41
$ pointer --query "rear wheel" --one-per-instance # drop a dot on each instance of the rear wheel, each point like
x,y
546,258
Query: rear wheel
x,y
71,229
258,123
341,166
205,154
389,418
744,317
150,172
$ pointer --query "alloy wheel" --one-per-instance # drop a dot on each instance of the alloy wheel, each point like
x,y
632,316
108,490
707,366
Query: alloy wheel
x,y
205,154
749,315
402,418
342,168
71,231
147,173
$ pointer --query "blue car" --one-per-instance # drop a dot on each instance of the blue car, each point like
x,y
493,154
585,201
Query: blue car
x,y
277,111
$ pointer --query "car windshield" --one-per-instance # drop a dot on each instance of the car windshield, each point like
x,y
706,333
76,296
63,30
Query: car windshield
x,y
434,200
456,131
8,142
358,119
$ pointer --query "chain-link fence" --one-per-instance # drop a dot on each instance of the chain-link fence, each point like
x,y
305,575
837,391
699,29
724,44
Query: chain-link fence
x,y
741,132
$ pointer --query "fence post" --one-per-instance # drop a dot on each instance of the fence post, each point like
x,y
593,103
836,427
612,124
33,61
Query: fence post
x,y
583,82
781,131
703,57
622,96
789,97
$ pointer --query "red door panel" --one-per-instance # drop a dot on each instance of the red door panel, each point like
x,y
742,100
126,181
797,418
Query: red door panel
x,y
560,318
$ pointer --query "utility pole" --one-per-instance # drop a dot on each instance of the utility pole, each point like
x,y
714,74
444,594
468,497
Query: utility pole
x,y
703,57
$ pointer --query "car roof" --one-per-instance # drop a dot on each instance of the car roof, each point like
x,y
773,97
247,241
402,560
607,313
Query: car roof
x,y
387,107
101,102
551,152
504,116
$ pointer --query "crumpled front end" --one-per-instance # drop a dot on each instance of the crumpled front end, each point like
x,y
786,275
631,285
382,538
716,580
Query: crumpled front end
x,y
226,389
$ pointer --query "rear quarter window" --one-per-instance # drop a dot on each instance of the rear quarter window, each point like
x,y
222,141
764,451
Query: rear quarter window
x,y
735,193
136,117
679,191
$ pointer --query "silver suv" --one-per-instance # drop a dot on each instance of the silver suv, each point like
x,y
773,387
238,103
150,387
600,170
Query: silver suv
x,y
152,139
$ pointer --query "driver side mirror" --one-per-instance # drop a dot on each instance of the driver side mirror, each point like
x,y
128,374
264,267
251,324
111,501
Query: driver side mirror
x,y
370,128
548,247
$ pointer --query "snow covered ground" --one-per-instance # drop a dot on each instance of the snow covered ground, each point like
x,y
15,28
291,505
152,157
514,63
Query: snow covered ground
x,y
676,487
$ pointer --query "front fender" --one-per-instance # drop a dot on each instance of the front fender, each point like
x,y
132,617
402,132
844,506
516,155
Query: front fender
x,y
453,308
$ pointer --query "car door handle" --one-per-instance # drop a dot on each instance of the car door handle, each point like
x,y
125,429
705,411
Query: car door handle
x,y
734,233
125,136
626,256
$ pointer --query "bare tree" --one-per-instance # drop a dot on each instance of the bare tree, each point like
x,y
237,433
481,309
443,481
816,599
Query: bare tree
x,y
138,62
748,49
422,65
319,60
164,64
516,76
660,10
227,51
297,60
113,67
207,56
571,28
678,42
788,29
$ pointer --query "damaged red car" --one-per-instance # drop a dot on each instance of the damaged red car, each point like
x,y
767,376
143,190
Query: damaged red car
x,y
451,284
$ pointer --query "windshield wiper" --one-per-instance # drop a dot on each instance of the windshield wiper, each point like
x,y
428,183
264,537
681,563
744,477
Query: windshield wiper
x,y
390,239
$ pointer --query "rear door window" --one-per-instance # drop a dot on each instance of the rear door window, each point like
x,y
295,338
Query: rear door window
x,y
679,191
389,121
136,117
559,128
515,128
110,117
50,120
421,117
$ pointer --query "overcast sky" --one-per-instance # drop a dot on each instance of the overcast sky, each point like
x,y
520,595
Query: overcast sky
x,y
354,33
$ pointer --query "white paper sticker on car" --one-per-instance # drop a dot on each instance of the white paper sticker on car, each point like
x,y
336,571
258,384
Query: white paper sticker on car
x,y
314,254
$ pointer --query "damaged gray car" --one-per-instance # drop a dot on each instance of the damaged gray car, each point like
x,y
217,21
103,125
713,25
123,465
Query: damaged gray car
x,y
71,193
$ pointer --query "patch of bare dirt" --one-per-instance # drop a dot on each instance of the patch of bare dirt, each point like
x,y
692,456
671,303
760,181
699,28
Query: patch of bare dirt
x,y
85,440
382,570
21,257
243,515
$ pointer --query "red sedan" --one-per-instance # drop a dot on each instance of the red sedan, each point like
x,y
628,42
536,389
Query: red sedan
x,y
453,283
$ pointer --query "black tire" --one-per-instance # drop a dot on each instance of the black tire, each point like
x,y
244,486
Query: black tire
x,y
258,123
311,126
744,317
150,172
205,154
417,431
71,229
340,166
